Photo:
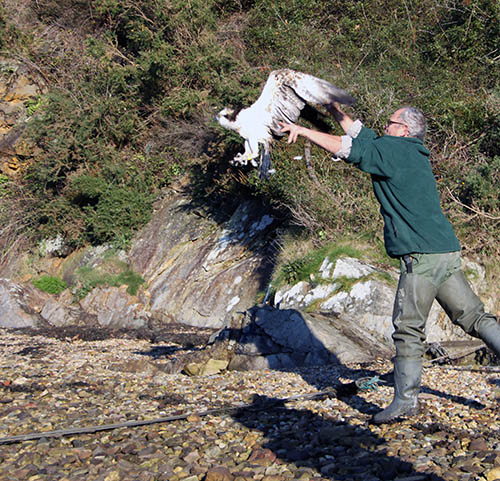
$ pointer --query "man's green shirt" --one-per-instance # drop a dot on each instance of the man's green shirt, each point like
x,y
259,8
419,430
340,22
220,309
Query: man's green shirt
x,y
406,189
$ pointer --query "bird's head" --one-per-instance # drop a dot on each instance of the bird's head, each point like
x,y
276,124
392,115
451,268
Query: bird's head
x,y
226,118
226,113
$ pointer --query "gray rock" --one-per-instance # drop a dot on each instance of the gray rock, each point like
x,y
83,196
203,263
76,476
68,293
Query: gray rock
x,y
198,272
60,314
20,305
114,307
284,339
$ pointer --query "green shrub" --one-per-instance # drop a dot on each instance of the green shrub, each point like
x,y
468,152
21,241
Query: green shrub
x,y
133,86
4,185
88,278
50,284
480,187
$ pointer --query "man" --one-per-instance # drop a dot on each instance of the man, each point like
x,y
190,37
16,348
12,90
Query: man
x,y
415,231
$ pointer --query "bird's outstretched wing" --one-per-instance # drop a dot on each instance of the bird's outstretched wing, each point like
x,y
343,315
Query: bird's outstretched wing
x,y
286,92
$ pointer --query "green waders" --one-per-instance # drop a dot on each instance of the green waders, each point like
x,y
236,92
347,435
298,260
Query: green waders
x,y
425,277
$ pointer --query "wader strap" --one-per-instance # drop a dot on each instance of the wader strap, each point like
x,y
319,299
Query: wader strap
x,y
407,259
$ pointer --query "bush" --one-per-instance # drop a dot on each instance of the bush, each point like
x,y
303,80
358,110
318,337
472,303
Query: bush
x,y
50,284
132,86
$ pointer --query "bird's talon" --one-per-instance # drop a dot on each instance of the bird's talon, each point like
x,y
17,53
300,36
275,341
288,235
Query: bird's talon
x,y
239,160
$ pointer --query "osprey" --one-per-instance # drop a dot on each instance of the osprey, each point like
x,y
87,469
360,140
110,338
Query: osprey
x,y
284,95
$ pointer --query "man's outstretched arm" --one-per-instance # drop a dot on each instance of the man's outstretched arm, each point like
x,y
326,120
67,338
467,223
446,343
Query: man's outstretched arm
x,y
331,143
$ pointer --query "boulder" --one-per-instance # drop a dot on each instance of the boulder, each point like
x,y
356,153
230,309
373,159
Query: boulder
x,y
367,300
20,305
61,311
199,272
114,307
208,368
273,338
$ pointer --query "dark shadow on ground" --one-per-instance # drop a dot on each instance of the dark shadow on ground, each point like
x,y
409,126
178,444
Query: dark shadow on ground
x,y
297,346
329,445
494,381
157,352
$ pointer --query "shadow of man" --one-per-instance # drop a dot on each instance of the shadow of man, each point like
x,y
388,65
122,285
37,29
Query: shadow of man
x,y
323,442
322,446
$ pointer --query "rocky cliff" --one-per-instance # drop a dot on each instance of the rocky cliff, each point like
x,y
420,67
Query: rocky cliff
x,y
203,270
207,273
20,87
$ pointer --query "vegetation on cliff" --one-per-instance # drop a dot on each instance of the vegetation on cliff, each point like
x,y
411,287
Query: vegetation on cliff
x,y
133,87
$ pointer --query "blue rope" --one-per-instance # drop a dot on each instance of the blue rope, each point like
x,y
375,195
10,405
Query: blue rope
x,y
368,383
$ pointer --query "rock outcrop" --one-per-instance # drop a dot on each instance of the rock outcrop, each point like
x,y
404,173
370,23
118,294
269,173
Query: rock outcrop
x,y
18,85
367,302
20,305
207,273
266,337
198,272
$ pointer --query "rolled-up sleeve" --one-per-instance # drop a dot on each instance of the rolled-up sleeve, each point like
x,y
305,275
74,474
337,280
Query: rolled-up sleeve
x,y
355,128
352,132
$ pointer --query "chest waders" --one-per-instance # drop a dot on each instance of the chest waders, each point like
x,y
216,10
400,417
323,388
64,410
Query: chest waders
x,y
425,277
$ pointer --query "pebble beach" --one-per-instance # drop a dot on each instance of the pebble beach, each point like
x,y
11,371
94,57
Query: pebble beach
x,y
52,382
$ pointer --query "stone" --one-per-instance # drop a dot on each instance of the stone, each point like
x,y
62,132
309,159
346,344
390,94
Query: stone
x,y
71,385
351,268
57,313
201,272
286,338
493,474
114,307
214,366
262,457
478,444
113,476
20,305
219,474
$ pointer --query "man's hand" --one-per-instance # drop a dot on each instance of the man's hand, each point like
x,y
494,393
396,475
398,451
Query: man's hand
x,y
293,130
334,109
331,143
338,114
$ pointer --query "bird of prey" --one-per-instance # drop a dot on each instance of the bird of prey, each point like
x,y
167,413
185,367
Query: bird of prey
x,y
282,99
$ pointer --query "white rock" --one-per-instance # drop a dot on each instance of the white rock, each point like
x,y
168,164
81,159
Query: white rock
x,y
325,269
293,296
232,303
351,268
319,292
336,303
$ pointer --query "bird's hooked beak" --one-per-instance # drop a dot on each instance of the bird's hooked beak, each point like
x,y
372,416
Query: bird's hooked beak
x,y
225,112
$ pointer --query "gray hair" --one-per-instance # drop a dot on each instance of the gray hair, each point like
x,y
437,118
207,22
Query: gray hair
x,y
415,120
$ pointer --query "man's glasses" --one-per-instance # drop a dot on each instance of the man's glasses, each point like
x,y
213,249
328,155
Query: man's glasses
x,y
390,122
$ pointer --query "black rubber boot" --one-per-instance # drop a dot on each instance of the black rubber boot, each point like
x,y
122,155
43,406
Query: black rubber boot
x,y
489,332
465,309
407,376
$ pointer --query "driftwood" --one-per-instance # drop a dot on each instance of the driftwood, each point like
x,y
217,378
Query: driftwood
x,y
455,358
259,403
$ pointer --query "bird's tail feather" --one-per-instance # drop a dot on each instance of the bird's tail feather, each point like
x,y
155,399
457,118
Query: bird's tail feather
x,y
265,164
